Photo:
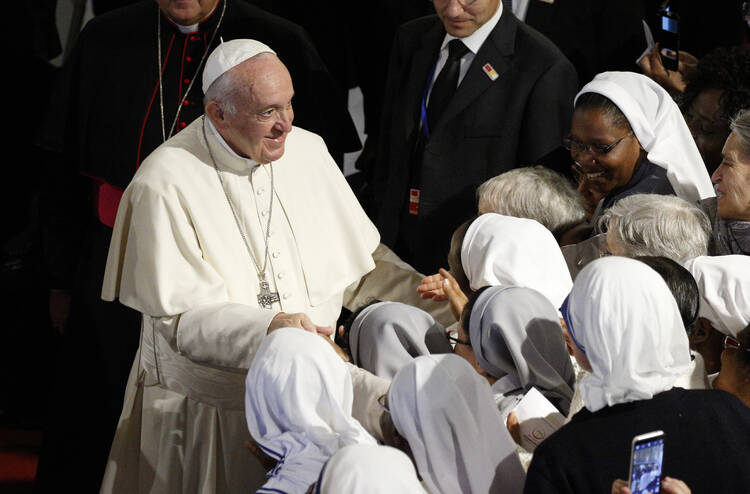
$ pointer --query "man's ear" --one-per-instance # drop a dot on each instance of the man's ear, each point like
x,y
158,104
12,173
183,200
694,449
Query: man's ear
x,y
701,332
215,113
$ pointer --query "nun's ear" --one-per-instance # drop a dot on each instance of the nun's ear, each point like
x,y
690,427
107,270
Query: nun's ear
x,y
701,332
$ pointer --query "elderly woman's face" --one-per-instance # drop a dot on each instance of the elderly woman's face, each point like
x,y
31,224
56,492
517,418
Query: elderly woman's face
x,y
732,179
604,171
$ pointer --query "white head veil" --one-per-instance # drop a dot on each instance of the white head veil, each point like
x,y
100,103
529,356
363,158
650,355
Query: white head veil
x,y
660,128
298,404
516,331
724,285
622,315
445,410
503,250
368,469
388,335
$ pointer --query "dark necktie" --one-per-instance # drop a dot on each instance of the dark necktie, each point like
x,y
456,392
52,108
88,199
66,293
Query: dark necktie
x,y
446,82
508,4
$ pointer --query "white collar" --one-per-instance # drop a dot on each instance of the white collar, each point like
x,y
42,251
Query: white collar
x,y
251,163
187,29
476,39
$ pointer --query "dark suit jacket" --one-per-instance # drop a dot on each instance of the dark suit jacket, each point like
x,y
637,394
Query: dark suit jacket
x,y
489,127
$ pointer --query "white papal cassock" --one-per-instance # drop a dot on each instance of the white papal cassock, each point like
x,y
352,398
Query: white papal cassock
x,y
177,256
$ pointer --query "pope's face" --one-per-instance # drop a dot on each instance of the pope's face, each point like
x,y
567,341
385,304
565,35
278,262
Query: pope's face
x,y
186,12
264,112
732,179
462,17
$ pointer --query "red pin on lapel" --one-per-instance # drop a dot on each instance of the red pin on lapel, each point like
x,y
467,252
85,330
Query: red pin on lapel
x,y
490,71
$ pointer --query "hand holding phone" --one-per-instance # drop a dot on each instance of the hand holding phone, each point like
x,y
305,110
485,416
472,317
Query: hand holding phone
x,y
646,457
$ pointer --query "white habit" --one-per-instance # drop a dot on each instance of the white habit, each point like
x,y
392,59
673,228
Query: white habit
x,y
177,256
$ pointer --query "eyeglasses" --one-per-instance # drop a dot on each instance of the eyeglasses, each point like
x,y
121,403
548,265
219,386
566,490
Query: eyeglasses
x,y
732,343
458,341
597,149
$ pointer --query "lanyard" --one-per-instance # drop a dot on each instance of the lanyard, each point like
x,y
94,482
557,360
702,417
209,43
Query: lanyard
x,y
423,108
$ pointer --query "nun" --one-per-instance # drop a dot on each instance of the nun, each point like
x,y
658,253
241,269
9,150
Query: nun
x,y
445,412
298,405
628,332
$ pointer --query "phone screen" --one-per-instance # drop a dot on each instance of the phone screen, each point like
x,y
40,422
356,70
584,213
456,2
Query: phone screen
x,y
645,471
669,38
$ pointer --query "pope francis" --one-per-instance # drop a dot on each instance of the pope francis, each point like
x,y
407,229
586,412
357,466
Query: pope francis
x,y
238,225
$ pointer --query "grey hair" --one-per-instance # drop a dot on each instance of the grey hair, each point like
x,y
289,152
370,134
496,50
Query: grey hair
x,y
657,225
534,192
740,125
222,91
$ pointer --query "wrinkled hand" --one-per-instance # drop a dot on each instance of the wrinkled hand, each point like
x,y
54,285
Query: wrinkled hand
x,y
297,320
514,428
59,309
443,286
265,460
672,81
668,486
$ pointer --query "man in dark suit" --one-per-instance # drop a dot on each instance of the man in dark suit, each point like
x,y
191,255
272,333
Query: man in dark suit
x,y
512,106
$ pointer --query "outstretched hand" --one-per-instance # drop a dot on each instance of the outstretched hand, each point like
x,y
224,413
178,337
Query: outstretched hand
x,y
443,286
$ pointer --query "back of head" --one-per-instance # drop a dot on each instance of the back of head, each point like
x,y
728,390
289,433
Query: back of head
x,y
724,286
682,285
516,331
454,256
445,411
502,250
369,469
537,193
623,317
657,225
298,404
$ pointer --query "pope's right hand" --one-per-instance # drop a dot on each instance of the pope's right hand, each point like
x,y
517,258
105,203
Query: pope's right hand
x,y
297,320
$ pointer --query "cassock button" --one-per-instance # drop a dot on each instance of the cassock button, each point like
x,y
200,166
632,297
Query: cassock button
x,y
260,191
264,213
280,276
271,233
193,38
186,80
183,125
188,59
186,103
287,295
276,254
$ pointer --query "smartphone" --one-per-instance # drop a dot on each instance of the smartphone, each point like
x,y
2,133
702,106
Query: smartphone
x,y
668,37
646,455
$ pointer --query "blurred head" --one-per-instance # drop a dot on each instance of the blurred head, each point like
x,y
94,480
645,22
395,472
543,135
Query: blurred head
x,y
462,17
717,91
251,107
732,177
537,193
602,144
656,225
454,256
682,285
734,376
186,12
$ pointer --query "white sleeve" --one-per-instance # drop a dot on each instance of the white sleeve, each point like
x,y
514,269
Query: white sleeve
x,y
223,334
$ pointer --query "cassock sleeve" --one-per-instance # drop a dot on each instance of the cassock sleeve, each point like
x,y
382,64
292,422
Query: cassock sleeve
x,y
393,280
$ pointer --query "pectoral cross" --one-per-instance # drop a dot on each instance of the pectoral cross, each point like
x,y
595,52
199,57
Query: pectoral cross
x,y
266,297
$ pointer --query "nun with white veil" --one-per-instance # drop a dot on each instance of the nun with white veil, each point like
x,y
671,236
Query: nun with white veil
x,y
446,413
368,469
503,250
518,341
628,136
298,405
628,332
